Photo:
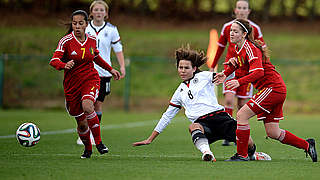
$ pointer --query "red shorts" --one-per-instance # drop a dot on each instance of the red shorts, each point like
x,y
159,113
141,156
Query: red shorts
x,y
88,90
244,91
267,104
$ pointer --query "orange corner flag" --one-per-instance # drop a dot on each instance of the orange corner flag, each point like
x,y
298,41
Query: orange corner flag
x,y
212,47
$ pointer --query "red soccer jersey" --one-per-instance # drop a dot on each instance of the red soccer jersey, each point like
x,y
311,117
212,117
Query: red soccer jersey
x,y
225,39
261,74
83,54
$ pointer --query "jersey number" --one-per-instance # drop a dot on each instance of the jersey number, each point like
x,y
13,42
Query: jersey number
x,y
190,94
84,51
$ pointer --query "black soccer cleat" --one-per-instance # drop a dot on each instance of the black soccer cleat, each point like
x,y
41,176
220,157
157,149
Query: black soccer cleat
x,y
251,152
312,150
86,154
102,148
237,157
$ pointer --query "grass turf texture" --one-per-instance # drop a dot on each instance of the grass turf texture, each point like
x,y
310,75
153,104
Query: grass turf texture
x,y
171,156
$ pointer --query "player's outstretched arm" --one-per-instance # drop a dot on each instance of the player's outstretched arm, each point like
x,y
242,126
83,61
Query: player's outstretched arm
x,y
153,135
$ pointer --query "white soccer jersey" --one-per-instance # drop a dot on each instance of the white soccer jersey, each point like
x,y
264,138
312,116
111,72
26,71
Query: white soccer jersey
x,y
197,97
107,36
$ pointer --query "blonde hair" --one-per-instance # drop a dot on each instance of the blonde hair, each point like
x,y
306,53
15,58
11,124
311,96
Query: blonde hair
x,y
102,3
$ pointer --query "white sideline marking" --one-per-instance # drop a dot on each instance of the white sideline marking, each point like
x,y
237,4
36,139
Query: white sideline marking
x,y
117,155
115,126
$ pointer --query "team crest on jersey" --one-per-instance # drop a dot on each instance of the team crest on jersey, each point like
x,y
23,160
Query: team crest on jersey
x,y
181,90
91,50
105,34
196,80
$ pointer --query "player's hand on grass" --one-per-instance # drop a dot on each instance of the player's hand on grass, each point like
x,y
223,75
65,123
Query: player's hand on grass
x,y
145,142
231,62
219,78
232,84
69,64
115,74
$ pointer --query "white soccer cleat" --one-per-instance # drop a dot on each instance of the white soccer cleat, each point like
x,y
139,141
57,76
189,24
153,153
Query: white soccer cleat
x,y
79,142
261,156
208,156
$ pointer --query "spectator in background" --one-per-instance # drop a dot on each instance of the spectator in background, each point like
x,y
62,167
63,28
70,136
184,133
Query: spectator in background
x,y
267,104
107,36
245,91
75,54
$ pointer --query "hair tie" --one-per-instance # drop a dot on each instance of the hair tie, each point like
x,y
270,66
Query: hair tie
x,y
244,27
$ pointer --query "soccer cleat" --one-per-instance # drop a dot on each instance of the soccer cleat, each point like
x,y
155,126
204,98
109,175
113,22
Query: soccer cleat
x,y
251,152
102,148
79,141
237,157
208,156
86,154
260,156
312,150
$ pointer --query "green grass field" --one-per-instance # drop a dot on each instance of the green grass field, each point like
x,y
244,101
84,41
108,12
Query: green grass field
x,y
171,156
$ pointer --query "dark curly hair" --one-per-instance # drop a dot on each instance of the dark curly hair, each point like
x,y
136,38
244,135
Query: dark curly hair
x,y
197,58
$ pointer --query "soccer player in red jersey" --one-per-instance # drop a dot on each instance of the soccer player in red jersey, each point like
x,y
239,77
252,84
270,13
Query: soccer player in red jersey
x,y
75,54
245,91
267,104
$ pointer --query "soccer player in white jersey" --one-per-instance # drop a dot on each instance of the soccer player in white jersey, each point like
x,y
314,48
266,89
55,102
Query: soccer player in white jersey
x,y
209,121
108,37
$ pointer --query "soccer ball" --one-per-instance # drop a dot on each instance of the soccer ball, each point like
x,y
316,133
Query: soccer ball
x,y
28,134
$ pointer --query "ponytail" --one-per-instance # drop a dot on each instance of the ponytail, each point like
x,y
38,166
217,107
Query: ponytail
x,y
246,27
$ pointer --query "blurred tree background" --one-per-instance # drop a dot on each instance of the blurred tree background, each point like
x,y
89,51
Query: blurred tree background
x,y
182,9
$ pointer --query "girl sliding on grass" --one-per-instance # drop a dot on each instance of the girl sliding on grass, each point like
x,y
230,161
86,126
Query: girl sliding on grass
x,y
209,121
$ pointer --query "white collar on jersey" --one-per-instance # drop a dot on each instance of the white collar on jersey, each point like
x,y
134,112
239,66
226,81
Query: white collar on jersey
x,y
98,27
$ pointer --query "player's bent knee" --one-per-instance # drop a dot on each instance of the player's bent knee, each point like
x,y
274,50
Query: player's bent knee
x,y
195,126
87,106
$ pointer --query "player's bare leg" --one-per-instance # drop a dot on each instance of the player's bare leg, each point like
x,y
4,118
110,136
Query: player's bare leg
x,y
98,109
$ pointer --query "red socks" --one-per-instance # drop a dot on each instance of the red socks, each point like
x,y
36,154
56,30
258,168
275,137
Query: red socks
x,y
287,137
85,137
243,134
94,125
